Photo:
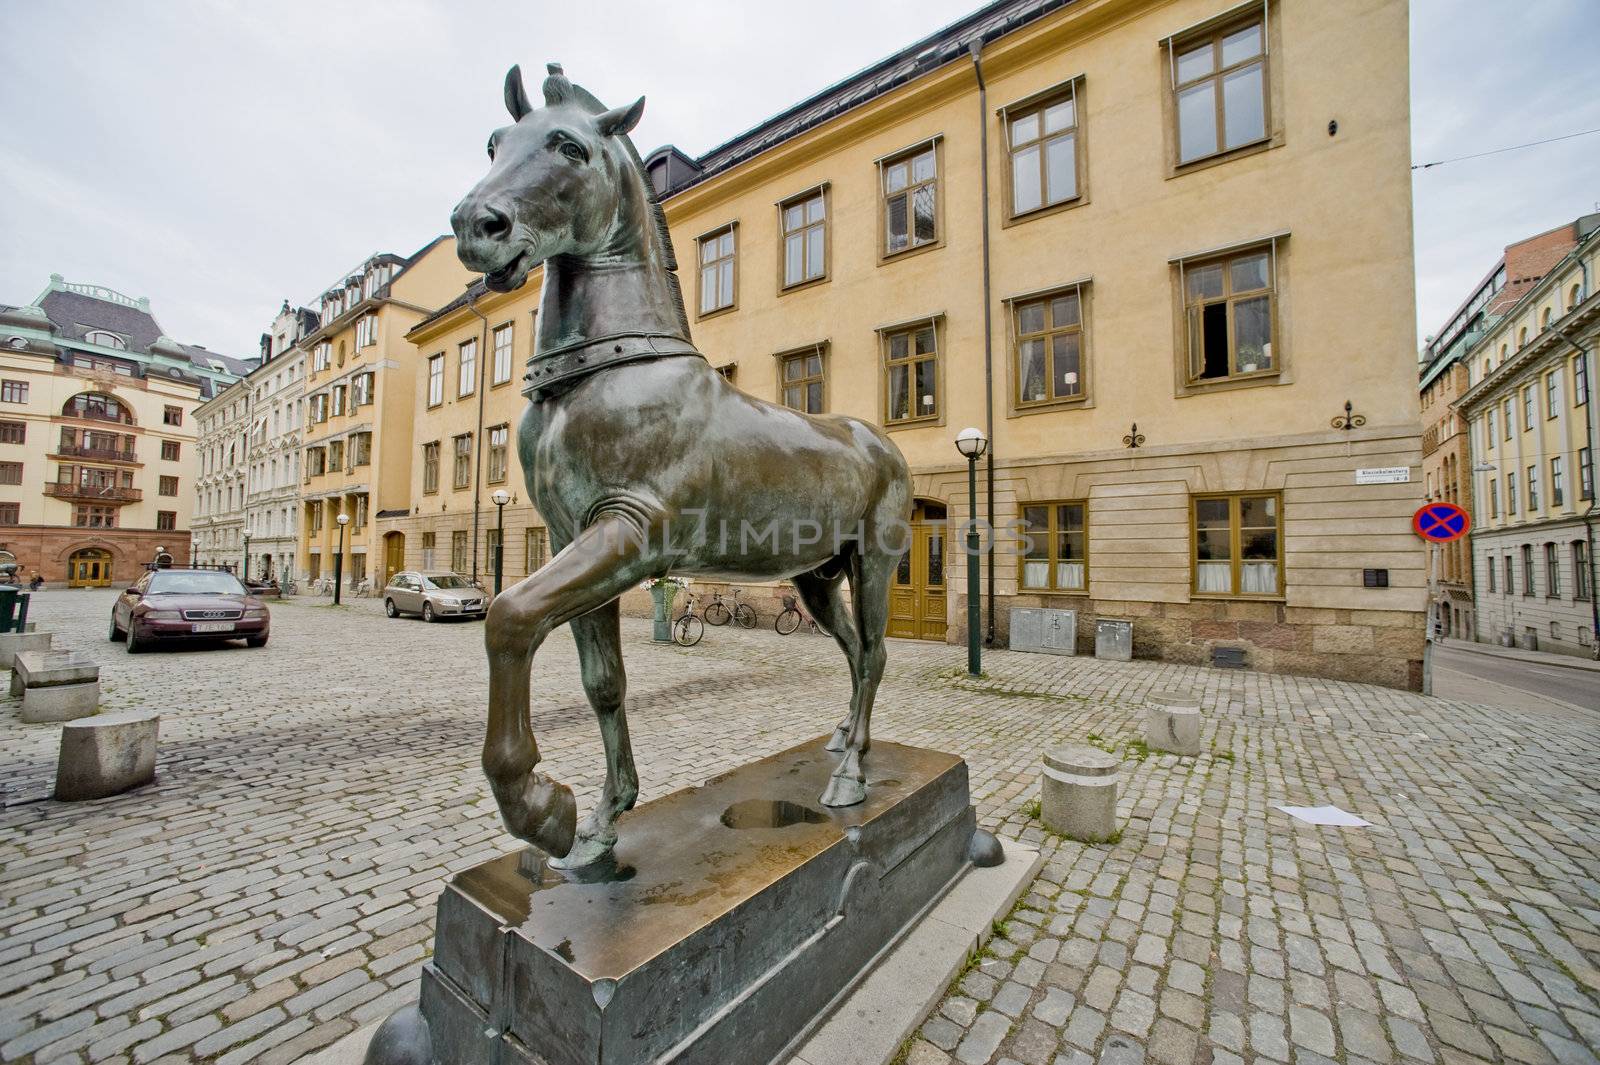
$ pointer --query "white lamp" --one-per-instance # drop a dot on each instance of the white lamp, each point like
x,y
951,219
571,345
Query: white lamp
x,y
971,442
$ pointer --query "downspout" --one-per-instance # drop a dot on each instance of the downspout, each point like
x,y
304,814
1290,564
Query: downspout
x,y
975,48
481,387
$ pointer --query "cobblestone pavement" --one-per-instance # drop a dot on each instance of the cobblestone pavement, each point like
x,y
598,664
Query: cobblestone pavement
x,y
274,889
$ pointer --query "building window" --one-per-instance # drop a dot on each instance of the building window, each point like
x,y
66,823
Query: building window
x,y
166,520
10,473
105,339
911,199
335,454
320,356
1527,569
1580,570
1494,497
1219,86
1488,428
316,462
361,390
361,449
171,415
428,547
169,450
458,551
805,238
91,517
430,467
10,513
316,517
1510,576
504,337
1552,394
1043,140
499,436
435,379
1511,493
1056,547
1533,489
1558,482
168,486
1510,423
13,391
911,374
804,383
366,331
533,549
467,377
337,392
13,432
1489,570
1580,381
1585,473
463,464
1230,310
1238,545
717,270
1552,572
360,521
1527,409
1048,361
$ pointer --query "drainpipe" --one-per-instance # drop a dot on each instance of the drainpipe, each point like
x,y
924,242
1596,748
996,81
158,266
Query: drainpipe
x,y
975,48
477,440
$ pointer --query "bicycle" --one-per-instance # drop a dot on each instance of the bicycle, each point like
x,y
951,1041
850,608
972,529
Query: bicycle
x,y
688,629
789,619
363,590
719,614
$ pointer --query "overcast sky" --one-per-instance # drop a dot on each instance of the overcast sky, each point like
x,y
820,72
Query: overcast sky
x,y
219,157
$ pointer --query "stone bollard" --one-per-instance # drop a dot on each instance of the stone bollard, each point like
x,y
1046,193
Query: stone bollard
x,y
12,642
1078,792
106,755
1172,723
55,685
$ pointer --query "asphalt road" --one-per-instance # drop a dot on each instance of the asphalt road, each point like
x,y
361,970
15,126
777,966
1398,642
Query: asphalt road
x,y
1579,687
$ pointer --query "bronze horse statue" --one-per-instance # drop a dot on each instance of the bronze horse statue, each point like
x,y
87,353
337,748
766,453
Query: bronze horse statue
x,y
644,461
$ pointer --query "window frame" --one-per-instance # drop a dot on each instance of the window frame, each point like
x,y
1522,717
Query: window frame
x,y
171,450
1552,570
1052,532
907,155
819,350
1552,394
821,191
1585,474
1558,478
1582,571
1182,269
13,391
467,368
435,395
10,473
1234,543
1531,487
430,468
535,547
886,363
461,460
9,429
1214,31
171,415
701,265
1070,89
502,449
509,329
1016,405
1527,571
167,481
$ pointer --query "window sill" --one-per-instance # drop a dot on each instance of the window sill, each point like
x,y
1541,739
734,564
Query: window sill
x,y
914,423
1204,385
908,253
720,311
1048,406
785,290
1238,597
1206,162
1041,212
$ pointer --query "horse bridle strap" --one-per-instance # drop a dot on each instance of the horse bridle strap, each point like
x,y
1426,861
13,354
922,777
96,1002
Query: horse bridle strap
x,y
585,357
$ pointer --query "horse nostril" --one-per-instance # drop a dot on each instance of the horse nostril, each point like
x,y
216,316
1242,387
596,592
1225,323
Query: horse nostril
x,y
494,224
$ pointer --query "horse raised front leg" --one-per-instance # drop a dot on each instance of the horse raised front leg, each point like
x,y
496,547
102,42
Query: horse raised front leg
x,y
599,565
599,638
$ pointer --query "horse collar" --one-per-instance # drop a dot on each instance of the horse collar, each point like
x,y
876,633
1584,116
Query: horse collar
x,y
571,361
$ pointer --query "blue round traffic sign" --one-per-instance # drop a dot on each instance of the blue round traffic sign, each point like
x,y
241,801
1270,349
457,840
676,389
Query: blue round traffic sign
x,y
1440,523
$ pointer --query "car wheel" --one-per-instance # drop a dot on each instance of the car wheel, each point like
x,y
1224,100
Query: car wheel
x,y
255,641
116,633
427,611
135,644
389,608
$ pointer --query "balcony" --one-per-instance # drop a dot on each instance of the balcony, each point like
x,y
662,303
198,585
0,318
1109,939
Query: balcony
x,y
92,493
102,454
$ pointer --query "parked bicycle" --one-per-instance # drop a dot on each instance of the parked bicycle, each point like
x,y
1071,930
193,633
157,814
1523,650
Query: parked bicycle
x,y
791,616
363,589
688,629
717,613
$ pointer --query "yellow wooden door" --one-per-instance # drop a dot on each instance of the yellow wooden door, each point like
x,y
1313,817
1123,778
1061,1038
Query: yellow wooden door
x,y
917,601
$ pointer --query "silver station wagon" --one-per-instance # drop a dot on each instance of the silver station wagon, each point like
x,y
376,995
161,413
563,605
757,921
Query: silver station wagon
x,y
434,596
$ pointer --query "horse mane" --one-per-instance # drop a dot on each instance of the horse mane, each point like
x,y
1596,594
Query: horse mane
x,y
558,89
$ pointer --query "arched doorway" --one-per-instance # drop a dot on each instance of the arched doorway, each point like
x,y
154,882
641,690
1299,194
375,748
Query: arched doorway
x,y
89,567
394,554
917,602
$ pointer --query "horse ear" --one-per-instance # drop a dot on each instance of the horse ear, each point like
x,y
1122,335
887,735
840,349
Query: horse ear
x,y
516,94
620,120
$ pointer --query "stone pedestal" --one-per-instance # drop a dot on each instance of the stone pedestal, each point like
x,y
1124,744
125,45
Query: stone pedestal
x,y
1172,723
736,914
1078,792
1113,640
12,642
106,755
55,685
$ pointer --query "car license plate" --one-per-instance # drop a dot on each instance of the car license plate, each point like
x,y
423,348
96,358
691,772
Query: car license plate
x,y
213,626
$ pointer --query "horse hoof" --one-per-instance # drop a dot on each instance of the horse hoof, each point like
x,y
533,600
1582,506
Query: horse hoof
x,y
584,854
836,744
553,834
844,791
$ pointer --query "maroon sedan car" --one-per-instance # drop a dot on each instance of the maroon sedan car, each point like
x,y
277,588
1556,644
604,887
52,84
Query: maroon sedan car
x,y
188,604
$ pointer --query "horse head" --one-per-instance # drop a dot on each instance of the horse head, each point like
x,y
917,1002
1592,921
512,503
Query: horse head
x,y
557,183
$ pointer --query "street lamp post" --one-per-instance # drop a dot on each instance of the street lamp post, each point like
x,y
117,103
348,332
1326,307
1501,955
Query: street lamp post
x,y
338,559
246,576
972,444
501,497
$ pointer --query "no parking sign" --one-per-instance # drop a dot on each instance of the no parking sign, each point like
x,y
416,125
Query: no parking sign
x,y
1440,523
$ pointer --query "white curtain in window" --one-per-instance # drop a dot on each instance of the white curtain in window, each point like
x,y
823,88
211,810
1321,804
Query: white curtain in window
x,y
1036,574
1214,576
1069,575
1259,578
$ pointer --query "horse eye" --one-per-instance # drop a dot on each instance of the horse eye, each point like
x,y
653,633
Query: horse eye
x,y
491,149
572,151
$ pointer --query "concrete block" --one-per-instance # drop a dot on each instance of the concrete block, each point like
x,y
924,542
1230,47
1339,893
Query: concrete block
x,y
1113,640
38,669
1040,629
60,702
1078,792
1172,723
106,755
12,642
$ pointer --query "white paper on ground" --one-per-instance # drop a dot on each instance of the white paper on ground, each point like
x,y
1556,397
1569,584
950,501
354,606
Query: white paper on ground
x,y
1325,815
